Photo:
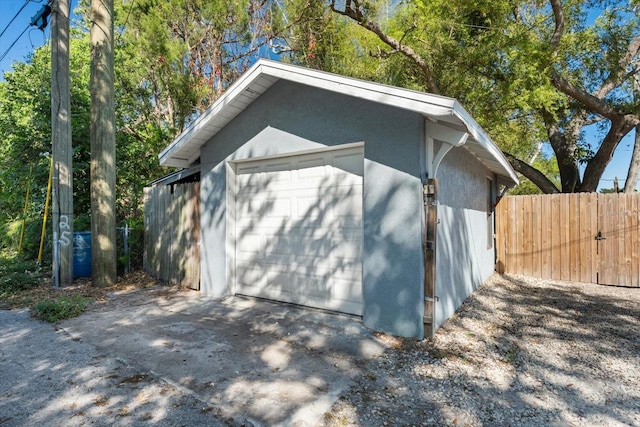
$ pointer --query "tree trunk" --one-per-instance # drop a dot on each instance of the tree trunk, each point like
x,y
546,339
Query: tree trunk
x,y
634,166
565,153
103,147
596,166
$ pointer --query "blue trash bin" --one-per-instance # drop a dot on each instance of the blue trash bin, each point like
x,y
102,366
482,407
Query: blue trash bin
x,y
82,254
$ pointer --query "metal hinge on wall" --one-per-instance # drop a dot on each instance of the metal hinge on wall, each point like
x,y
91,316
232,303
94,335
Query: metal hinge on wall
x,y
429,190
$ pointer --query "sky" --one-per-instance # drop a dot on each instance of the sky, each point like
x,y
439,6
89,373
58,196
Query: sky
x,y
33,38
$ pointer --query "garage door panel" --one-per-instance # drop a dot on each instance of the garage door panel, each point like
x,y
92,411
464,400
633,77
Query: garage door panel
x,y
308,207
347,204
310,286
252,279
279,284
299,229
250,246
346,290
248,207
347,251
277,208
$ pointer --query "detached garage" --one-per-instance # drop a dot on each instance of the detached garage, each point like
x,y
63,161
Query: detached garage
x,y
345,195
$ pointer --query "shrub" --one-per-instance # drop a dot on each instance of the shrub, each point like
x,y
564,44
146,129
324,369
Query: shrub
x,y
61,308
18,275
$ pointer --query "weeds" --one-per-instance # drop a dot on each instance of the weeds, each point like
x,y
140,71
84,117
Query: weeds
x,y
17,275
61,308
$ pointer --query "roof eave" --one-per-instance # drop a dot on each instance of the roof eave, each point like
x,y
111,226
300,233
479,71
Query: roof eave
x,y
185,149
503,167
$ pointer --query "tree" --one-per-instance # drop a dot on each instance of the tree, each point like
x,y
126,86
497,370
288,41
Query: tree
x,y
25,123
530,72
179,56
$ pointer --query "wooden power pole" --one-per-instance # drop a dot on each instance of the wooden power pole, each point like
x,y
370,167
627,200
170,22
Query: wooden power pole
x,y
103,146
62,179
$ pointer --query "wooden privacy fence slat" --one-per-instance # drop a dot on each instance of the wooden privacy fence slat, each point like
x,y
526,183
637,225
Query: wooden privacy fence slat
x,y
585,237
172,233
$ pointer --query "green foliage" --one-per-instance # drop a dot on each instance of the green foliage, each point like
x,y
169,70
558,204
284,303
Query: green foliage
x,y
17,275
12,231
25,123
497,59
61,308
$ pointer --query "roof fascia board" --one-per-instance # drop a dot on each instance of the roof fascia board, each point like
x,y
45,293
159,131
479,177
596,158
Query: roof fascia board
x,y
484,140
234,90
175,176
434,106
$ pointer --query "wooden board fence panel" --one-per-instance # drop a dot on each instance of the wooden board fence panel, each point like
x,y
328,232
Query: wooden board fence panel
x,y
586,237
172,233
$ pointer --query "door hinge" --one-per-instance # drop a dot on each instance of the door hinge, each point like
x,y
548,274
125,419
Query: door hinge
x,y
429,190
434,299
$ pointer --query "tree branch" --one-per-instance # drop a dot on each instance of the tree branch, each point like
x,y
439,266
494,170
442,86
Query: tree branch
x,y
585,98
558,14
597,164
565,153
353,11
616,79
533,174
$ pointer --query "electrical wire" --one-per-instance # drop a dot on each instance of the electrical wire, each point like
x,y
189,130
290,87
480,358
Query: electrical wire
x,y
16,15
14,43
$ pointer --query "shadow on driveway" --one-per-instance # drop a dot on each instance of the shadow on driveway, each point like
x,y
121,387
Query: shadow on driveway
x,y
247,360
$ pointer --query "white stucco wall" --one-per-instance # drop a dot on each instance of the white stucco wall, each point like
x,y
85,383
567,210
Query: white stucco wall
x,y
464,254
291,117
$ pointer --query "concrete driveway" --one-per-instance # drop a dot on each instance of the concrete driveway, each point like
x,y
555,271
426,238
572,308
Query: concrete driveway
x,y
248,361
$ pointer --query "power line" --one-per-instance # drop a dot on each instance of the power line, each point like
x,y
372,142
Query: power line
x,y
14,43
16,15
39,20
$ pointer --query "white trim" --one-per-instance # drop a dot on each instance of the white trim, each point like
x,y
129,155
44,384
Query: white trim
x,y
230,241
299,153
444,149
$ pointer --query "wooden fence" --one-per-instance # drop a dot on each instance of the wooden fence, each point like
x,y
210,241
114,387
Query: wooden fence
x,y
172,233
585,237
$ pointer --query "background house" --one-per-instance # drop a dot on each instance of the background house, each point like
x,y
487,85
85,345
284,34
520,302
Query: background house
x,y
341,194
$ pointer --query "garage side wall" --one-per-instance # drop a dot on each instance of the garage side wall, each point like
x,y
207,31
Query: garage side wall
x,y
465,253
290,117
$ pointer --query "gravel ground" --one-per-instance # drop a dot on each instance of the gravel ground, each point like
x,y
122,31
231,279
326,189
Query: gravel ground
x,y
519,352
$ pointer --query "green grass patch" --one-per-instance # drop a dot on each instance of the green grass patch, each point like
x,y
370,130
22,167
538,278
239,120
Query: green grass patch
x,y
61,308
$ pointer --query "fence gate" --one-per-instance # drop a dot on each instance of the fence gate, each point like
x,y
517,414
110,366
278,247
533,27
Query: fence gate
x,y
584,237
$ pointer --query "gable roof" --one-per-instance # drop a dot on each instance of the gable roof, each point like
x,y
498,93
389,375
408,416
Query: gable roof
x,y
185,149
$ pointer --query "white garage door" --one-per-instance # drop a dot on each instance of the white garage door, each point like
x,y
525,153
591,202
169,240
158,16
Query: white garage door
x,y
299,229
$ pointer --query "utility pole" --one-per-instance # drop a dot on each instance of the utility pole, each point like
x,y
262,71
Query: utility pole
x,y
103,146
62,179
